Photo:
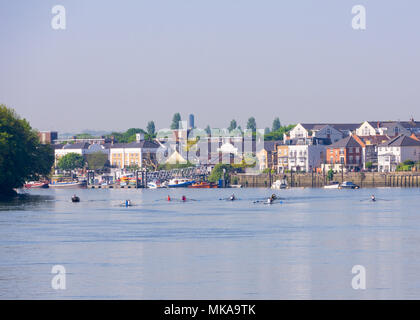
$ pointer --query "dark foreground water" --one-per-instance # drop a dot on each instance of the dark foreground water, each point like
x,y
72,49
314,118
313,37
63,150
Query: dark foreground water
x,y
206,248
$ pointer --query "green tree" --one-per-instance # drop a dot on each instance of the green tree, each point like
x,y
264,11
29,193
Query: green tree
x,y
330,175
251,124
22,157
96,160
266,130
369,165
151,130
217,172
232,125
276,124
71,161
175,121
278,135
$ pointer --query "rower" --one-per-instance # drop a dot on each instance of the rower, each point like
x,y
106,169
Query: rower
x,y
127,203
270,200
232,197
184,198
373,197
273,197
169,198
75,198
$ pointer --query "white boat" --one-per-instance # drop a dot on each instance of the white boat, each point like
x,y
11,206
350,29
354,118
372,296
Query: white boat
x,y
152,185
279,184
332,185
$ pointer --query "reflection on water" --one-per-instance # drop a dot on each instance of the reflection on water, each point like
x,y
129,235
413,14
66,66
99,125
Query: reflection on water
x,y
206,248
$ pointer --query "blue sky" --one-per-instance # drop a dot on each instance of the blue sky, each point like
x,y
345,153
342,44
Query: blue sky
x,y
120,64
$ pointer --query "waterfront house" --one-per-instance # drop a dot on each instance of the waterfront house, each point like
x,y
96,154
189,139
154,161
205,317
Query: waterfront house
x,y
306,154
267,156
282,158
397,150
135,154
390,128
370,150
345,155
333,132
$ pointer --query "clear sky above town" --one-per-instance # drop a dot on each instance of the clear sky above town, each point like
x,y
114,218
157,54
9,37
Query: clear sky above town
x,y
120,64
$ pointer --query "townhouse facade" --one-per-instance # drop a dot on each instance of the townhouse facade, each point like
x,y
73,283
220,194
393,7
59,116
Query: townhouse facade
x,y
397,150
389,128
305,155
345,155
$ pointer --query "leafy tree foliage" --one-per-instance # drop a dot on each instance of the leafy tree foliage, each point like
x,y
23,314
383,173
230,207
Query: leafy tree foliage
x,y
251,124
22,157
233,125
276,124
71,161
175,121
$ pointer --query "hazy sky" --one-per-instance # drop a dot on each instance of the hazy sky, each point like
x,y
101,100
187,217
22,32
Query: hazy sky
x,y
120,64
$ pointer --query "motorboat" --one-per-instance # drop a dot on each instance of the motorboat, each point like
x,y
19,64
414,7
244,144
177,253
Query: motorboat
x,y
349,185
203,185
179,183
153,185
279,184
69,184
35,184
332,185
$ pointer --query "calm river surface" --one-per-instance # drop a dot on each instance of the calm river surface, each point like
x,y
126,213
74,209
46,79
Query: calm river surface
x,y
206,248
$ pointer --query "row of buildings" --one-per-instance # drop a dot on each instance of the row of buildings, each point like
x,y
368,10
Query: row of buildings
x,y
307,147
378,146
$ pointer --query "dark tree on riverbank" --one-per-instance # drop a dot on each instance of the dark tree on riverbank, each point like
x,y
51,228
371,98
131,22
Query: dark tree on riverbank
x,y
22,157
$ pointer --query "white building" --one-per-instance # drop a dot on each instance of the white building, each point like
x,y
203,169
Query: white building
x,y
390,128
305,156
334,132
397,150
134,154
79,148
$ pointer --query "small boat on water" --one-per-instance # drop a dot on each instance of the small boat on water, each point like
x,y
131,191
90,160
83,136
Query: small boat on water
x,y
203,185
75,199
279,184
70,184
332,185
153,185
179,183
35,184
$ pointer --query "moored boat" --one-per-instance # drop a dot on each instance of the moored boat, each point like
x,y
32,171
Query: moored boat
x,y
279,184
203,185
35,184
332,185
70,184
179,183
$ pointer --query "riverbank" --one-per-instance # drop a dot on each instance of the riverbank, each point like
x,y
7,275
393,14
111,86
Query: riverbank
x,y
319,180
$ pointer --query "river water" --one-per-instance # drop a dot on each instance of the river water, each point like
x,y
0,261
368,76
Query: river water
x,y
207,248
